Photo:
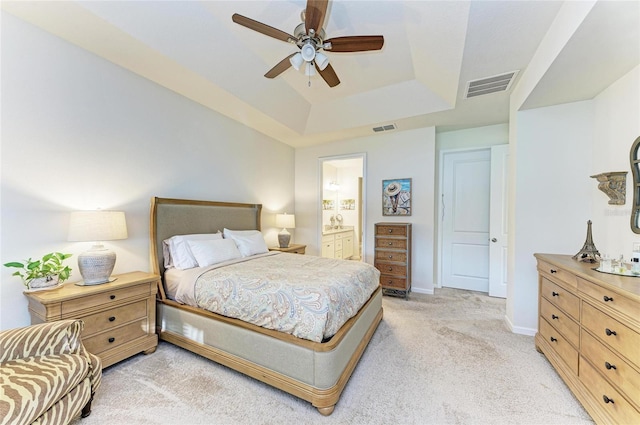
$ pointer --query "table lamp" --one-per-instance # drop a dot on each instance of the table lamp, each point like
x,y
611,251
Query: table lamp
x,y
285,221
97,263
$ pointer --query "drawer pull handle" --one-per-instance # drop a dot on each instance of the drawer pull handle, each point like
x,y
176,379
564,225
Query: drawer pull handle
x,y
555,294
112,318
390,257
554,317
390,243
111,340
607,399
609,366
390,282
553,339
609,332
390,230
606,299
553,271
113,297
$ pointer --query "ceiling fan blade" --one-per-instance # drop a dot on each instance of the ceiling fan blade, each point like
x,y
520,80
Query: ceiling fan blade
x,y
262,28
356,43
282,66
314,14
329,75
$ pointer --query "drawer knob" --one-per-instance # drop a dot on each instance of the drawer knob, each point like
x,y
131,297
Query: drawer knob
x,y
553,271
113,297
554,317
607,399
609,366
389,282
390,257
390,243
111,339
606,299
609,332
390,269
390,230
555,294
553,339
112,318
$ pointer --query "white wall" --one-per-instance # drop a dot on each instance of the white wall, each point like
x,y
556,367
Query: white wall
x,y
402,154
80,133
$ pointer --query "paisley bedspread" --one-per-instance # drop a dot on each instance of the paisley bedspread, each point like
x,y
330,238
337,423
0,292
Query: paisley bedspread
x,y
306,296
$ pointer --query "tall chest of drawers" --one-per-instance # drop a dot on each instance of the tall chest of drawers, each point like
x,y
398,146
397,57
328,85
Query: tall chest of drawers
x,y
393,257
119,317
589,330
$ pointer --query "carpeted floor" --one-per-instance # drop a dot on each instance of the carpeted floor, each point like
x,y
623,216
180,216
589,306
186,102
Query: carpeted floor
x,y
446,358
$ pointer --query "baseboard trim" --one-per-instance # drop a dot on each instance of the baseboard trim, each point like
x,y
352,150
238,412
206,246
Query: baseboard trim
x,y
518,329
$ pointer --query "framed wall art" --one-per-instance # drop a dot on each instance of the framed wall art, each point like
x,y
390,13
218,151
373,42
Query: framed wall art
x,y
396,197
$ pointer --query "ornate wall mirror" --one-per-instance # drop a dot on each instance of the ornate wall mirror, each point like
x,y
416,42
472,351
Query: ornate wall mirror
x,y
634,158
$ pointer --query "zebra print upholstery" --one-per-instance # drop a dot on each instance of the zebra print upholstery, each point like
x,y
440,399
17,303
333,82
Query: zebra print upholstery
x,y
46,374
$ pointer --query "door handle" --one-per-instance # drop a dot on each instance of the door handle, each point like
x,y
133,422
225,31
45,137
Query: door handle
x,y
494,240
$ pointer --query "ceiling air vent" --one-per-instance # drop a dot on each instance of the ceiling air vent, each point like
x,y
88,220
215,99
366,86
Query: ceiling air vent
x,y
384,128
488,85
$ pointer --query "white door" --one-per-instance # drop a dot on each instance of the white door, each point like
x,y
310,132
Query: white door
x,y
498,222
465,219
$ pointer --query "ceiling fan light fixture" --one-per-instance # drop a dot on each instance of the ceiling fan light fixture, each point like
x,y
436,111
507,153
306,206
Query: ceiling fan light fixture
x,y
308,52
309,69
322,60
296,61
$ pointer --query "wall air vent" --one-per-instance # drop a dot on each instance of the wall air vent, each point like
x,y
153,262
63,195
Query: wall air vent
x,y
384,128
488,85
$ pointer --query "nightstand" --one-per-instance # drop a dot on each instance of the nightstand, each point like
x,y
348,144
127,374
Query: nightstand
x,y
292,248
119,317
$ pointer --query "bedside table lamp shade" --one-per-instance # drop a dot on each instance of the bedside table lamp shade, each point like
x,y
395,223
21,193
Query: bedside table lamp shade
x,y
97,264
285,221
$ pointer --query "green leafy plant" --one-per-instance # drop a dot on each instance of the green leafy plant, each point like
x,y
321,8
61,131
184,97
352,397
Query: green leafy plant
x,y
48,267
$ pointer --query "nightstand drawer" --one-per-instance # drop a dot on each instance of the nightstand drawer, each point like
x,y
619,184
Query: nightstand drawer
x,y
115,317
391,230
395,282
391,243
561,321
115,337
560,345
562,298
611,332
398,257
391,269
101,300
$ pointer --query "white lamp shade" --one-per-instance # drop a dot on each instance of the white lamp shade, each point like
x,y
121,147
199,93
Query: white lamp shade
x,y
286,221
296,61
97,226
310,70
308,52
322,60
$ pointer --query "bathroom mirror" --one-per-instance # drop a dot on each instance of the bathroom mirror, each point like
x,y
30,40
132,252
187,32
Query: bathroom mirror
x,y
634,158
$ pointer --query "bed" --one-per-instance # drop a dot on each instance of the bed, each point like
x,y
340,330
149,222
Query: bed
x,y
313,371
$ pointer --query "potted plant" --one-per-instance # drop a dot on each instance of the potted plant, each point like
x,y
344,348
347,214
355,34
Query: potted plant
x,y
47,272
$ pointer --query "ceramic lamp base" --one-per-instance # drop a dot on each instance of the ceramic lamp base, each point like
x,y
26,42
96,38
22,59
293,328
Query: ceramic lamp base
x,y
96,265
283,238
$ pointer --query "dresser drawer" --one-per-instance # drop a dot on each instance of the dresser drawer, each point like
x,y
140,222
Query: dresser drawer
x,y
398,257
560,297
558,273
391,243
115,337
561,321
115,317
102,299
611,366
613,333
390,230
560,345
391,269
618,302
606,396
394,282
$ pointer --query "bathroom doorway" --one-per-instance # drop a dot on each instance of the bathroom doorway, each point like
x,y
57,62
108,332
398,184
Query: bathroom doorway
x,y
342,202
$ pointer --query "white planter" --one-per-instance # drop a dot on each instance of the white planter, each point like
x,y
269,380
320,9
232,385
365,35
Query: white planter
x,y
43,282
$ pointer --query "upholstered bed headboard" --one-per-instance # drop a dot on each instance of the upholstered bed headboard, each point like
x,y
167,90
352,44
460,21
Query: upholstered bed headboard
x,y
170,217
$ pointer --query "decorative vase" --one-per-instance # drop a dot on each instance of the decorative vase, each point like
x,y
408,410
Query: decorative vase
x,y
43,282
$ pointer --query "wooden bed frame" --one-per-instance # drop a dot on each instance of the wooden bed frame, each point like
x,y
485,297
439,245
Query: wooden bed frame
x,y
313,371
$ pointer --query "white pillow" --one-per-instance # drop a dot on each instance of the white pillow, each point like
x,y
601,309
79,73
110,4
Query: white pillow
x,y
210,252
180,255
249,242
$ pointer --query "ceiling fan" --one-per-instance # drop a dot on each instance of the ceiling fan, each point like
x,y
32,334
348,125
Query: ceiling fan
x,y
309,36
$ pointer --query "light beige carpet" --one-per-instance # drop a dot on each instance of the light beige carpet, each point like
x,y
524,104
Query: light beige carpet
x,y
446,358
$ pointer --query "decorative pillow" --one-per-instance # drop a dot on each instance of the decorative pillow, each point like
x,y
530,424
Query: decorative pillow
x,y
180,255
210,252
249,242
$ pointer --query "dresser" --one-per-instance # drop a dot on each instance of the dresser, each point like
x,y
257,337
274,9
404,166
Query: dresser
x,y
589,330
338,243
119,317
393,257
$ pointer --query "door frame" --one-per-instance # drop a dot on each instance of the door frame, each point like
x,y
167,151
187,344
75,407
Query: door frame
x,y
440,193
363,209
